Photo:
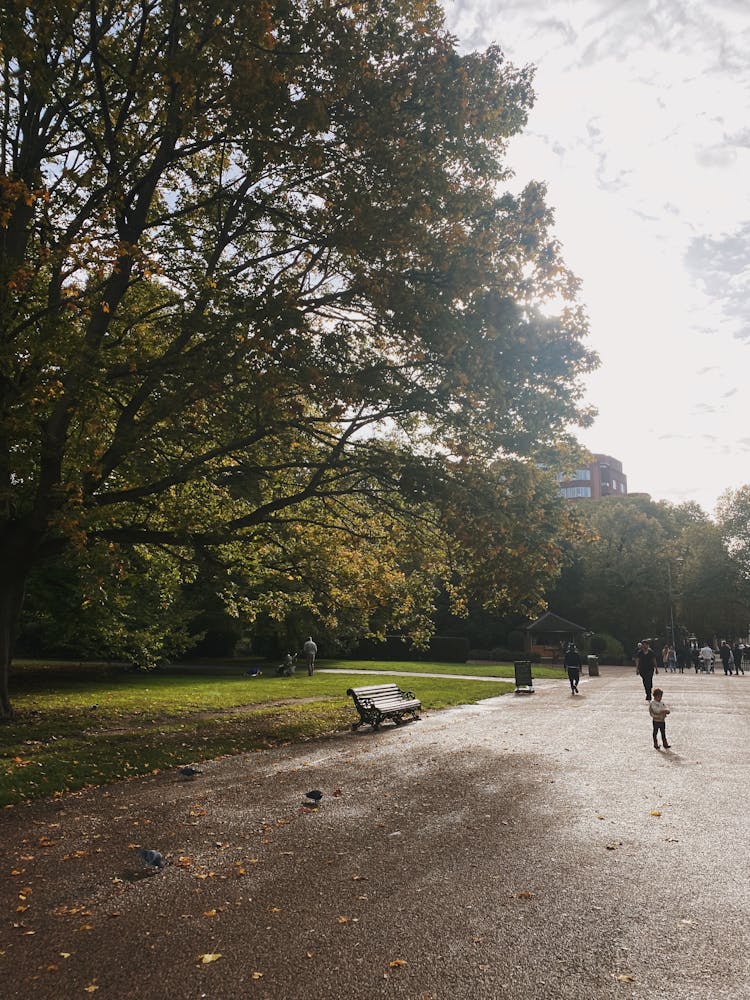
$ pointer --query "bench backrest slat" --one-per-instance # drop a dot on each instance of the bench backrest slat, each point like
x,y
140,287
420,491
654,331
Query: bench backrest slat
x,y
374,689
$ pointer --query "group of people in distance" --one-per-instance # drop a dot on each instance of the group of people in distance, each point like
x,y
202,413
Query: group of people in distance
x,y
702,658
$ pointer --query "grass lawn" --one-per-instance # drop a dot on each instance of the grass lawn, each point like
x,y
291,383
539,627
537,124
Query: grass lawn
x,y
82,725
472,669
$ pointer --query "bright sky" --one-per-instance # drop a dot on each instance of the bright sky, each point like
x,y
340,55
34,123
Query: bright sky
x,y
641,131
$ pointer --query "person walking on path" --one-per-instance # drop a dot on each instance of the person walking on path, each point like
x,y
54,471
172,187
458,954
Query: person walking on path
x,y
707,659
573,665
646,666
737,657
669,658
310,649
726,657
659,712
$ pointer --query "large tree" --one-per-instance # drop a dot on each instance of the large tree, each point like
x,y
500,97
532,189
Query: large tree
x,y
242,243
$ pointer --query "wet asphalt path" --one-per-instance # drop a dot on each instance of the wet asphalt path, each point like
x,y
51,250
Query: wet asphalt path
x,y
530,846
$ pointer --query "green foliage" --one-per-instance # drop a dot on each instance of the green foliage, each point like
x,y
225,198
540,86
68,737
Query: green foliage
x,y
259,270
597,644
644,564
449,648
609,649
109,602
516,639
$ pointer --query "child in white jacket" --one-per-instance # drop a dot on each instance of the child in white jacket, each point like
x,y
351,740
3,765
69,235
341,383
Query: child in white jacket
x,y
658,712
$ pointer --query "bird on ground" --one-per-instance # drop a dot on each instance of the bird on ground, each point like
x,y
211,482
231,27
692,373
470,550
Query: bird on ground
x,y
154,859
314,796
189,771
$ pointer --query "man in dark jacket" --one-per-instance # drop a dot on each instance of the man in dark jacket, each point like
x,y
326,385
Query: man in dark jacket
x,y
646,666
725,652
573,666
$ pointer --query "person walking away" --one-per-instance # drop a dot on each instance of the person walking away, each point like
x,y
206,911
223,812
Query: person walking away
x,y
669,658
737,657
726,658
683,659
659,712
310,649
707,659
573,665
646,666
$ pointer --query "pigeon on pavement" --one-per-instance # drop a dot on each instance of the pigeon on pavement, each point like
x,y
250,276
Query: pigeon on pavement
x,y
154,859
189,772
315,796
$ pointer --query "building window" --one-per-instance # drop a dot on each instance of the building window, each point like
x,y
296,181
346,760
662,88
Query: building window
x,y
583,474
575,491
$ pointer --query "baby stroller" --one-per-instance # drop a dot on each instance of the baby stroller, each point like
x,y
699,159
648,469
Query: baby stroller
x,y
287,667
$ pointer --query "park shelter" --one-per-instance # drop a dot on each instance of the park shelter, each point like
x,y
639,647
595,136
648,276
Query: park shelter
x,y
550,634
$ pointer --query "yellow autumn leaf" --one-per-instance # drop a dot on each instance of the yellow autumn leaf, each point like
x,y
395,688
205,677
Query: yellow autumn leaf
x,y
625,977
209,913
342,920
656,812
397,963
257,975
92,988
209,957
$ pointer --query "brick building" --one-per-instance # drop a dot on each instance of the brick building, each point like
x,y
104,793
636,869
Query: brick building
x,y
602,478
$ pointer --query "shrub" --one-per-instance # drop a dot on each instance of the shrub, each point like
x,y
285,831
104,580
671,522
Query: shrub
x,y
449,648
598,644
516,639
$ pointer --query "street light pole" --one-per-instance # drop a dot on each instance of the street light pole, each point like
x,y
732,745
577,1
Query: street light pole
x,y
671,610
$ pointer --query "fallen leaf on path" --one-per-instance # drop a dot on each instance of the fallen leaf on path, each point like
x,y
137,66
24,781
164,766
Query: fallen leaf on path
x,y
655,812
343,920
209,913
525,894
209,957
397,963
257,975
625,977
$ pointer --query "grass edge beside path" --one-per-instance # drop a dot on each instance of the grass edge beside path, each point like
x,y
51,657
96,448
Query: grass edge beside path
x,y
85,730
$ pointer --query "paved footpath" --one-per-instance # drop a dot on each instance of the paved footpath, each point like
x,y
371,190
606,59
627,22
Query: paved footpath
x,y
527,847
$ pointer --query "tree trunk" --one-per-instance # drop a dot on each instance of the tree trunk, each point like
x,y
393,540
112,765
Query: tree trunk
x,y
11,600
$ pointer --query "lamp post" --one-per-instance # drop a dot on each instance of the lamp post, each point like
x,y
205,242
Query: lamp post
x,y
671,609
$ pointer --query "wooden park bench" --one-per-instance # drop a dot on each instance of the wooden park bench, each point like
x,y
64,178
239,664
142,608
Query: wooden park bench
x,y
384,701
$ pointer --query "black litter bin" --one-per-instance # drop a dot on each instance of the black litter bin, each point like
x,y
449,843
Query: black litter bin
x,y
593,662
524,683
